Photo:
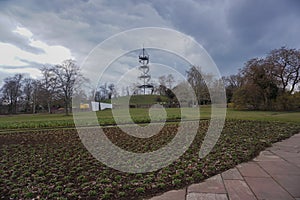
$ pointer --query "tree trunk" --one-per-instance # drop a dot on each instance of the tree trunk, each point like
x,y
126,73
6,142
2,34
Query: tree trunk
x,y
49,107
33,106
10,108
15,107
67,107
71,110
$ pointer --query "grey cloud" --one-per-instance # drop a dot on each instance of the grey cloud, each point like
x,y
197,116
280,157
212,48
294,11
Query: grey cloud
x,y
6,36
82,25
205,21
260,26
232,31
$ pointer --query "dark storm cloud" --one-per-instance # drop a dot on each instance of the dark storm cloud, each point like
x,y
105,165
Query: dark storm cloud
x,y
251,20
265,24
259,26
235,31
232,31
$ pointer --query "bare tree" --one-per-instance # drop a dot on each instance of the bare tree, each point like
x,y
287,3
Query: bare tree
x,y
37,87
196,80
29,85
285,64
170,80
166,81
12,91
49,83
103,91
162,80
133,89
112,91
162,89
232,83
67,73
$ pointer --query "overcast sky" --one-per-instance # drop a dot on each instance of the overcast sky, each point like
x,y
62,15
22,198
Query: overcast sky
x,y
35,32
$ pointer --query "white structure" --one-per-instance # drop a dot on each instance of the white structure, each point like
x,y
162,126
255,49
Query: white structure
x,y
105,106
95,106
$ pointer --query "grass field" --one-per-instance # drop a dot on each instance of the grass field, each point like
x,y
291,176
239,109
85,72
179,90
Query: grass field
x,y
139,115
292,117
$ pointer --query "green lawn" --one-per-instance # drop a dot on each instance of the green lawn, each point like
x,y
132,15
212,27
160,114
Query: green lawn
x,y
139,115
293,117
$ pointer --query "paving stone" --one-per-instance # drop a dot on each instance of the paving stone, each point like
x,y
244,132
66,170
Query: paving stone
x,y
292,141
251,169
294,161
279,168
272,175
289,183
238,189
232,174
171,195
296,137
285,154
267,188
206,196
211,185
267,156
286,147
291,157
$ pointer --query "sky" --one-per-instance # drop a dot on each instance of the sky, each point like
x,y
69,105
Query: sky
x,y
34,33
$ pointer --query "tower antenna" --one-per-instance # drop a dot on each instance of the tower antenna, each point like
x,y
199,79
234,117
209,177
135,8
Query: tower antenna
x,y
144,68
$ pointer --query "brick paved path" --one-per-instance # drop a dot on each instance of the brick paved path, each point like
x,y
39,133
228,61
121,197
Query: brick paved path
x,y
274,174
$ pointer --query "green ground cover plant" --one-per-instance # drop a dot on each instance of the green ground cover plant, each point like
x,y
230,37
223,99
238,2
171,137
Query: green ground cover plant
x,y
53,164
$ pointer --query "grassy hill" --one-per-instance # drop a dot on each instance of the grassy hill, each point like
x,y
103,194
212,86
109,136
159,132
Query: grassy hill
x,y
147,99
142,99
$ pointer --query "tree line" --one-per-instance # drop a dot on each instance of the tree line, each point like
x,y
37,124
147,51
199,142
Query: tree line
x,y
268,83
28,95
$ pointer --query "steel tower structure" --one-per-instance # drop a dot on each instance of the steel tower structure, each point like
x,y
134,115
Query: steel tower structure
x,y
144,68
